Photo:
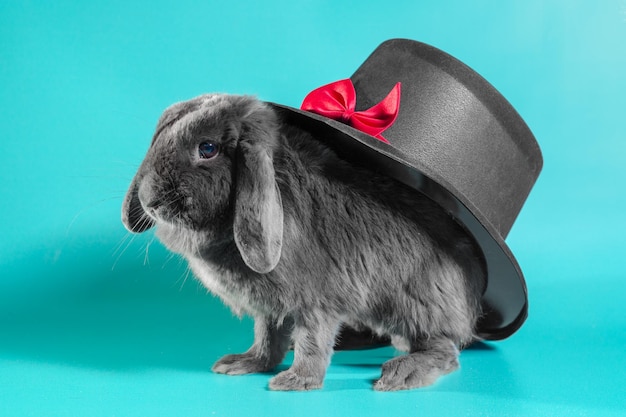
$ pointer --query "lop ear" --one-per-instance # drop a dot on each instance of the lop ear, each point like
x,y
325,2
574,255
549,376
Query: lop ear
x,y
258,223
134,217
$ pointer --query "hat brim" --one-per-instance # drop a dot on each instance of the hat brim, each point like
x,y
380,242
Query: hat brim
x,y
505,301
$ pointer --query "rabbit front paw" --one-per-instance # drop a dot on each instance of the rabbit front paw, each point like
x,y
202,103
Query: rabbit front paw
x,y
289,380
241,364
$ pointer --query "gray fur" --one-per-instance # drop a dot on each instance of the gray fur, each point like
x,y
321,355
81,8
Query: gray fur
x,y
283,230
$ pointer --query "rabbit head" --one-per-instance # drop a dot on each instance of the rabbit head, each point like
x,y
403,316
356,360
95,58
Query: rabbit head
x,y
208,174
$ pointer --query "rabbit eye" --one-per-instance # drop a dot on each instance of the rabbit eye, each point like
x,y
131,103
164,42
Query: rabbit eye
x,y
208,150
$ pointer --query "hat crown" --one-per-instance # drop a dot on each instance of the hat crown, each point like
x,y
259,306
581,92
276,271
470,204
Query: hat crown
x,y
456,126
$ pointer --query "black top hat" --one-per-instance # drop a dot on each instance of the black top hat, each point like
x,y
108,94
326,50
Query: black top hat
x,y
458,141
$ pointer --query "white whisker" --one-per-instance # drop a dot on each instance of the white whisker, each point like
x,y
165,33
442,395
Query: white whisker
x,y
128,243
184,277
84,209
146,258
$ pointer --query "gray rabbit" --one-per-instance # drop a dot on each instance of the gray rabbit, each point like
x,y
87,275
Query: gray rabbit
x,y
282,229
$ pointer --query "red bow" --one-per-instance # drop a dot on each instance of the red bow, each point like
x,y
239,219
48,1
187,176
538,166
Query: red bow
x,y
337,101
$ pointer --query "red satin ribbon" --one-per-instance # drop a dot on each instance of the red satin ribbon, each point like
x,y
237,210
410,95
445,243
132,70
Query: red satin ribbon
x,y
337,101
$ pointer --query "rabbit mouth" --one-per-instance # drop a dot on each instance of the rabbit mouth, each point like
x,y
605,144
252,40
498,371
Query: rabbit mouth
x,y
163,212
161,206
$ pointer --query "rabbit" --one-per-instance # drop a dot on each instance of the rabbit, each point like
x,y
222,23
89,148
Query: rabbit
x,y
281,228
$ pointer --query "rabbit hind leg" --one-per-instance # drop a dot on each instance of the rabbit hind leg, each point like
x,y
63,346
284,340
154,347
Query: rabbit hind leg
x,y
426,362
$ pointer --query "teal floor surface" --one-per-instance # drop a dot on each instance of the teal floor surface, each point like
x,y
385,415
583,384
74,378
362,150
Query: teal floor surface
x,y
94,322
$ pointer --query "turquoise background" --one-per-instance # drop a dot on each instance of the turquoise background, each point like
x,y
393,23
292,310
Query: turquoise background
x,y
96,322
